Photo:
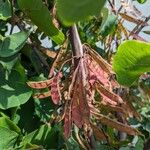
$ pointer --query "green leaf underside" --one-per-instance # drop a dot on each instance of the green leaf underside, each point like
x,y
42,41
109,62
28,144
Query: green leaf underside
x,y
5,10
71,11
40,16
131,61
12,44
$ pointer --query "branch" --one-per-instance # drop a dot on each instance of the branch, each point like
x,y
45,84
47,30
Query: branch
x,y
78,54
75,41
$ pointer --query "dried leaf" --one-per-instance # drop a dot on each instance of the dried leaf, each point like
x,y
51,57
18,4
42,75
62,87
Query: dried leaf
x,y
131,110
48,52
59,57
80,108
131,19
40,84
144,90
67,122
108,94
113,108
42,95
117,125
76,112
100,61
95,72
122,29
130,8
99,134
55,89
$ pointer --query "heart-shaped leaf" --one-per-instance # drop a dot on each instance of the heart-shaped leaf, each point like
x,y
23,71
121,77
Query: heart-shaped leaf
x,y
12,44
13,94
14,91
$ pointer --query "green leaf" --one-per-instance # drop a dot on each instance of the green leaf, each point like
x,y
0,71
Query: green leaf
x,y
147,126
141,1
125,148
14,94
8,138
18,73
103,147
12,44
71,11
40,16
32,147
131,61
28,122
9,62
5,10
9,133
71,143
3,28
31,54
44,109
45,136
140,144
7,123
108,23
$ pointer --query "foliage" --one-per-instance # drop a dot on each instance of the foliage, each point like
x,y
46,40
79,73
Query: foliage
x,y
64,94
78,11
35,10
131,61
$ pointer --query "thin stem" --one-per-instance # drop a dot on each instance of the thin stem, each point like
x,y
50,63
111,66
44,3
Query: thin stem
x,y
12,16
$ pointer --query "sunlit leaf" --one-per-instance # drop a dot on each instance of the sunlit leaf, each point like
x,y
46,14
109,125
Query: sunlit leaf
x,y
14,94
131,61
9,133
12,44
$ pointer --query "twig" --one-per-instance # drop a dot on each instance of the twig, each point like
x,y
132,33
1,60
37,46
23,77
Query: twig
x,y
139,27
12,16
112,6
142,26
